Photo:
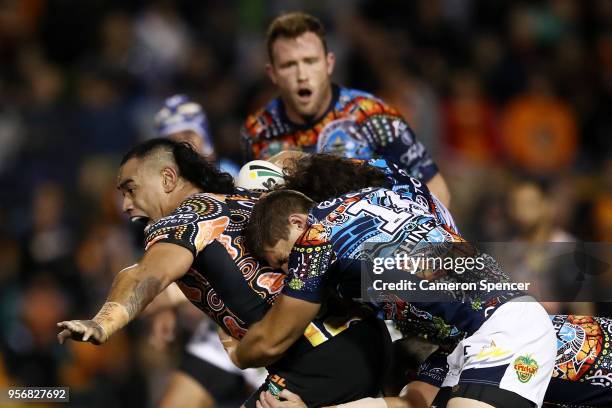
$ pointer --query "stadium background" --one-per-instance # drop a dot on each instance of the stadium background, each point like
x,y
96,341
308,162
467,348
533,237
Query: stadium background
x,y
499,92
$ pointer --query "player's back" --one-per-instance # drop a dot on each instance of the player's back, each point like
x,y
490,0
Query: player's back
x,y
380,223
417,194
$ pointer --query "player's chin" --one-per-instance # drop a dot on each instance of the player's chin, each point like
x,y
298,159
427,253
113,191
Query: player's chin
x,y
306,110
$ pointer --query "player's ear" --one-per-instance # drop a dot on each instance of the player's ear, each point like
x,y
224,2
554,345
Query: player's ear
x,y
299,220
169,178
271,73
331,62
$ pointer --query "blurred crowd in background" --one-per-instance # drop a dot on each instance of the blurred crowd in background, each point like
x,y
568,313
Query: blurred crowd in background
x,y
512,99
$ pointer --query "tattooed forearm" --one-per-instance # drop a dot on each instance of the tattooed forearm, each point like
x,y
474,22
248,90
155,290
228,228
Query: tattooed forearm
x,y
133,292
111,317
142,294
128,296
108,312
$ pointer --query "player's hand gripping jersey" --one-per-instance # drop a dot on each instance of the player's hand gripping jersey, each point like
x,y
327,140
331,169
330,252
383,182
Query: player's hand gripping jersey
x,y
356,125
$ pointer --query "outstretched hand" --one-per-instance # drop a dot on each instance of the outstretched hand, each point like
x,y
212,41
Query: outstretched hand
x,y
82,330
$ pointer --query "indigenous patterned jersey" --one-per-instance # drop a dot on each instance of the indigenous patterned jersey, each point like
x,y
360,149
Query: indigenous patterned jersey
x,y
356,125
584,350
417,192
225,281
332,252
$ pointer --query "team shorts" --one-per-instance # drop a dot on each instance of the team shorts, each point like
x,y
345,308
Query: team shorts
x,y
582,376
513,350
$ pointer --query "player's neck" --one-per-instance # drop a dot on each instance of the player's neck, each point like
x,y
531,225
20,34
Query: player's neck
x,y
179,195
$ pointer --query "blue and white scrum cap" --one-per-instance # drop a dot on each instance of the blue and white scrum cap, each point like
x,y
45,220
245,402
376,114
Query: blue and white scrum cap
x,y
179,114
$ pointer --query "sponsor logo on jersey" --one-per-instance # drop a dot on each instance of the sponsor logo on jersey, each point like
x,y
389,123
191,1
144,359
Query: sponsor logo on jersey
x,y
340,137
174,220
525,367
276,384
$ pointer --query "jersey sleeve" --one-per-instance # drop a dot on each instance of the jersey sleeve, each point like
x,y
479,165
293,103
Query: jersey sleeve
x,y
196,223
391,137
309,262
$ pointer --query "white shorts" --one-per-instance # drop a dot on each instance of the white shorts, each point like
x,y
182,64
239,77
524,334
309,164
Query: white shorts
x,y
515,350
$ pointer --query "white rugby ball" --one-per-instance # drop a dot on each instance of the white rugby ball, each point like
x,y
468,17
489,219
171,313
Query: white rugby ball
x,y
260,175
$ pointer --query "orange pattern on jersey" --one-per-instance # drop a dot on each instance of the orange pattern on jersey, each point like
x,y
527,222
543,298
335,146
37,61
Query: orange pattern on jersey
x,y
314,235
589,350
271,281
234,328
209,230
226,241
154,240
191,293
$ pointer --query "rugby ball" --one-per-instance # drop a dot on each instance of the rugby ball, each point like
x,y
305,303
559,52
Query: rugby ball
x,y
260,175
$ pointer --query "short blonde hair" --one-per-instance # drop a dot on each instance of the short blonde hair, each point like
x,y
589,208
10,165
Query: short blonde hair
x,y
293,25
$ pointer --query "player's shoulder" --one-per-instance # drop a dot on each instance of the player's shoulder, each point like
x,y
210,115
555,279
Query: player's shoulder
x,y
244,196
202,203
364,102
258,123
394,173
349,94
193,209
333,211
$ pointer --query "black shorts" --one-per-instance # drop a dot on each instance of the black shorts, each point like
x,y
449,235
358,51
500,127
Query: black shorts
x,y
347,367
489,394
228,389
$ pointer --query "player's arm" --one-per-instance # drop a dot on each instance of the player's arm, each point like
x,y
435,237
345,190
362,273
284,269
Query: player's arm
x,y
267,340
300,301
416,394
171,297
287,158
437,185
293,310
132,289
